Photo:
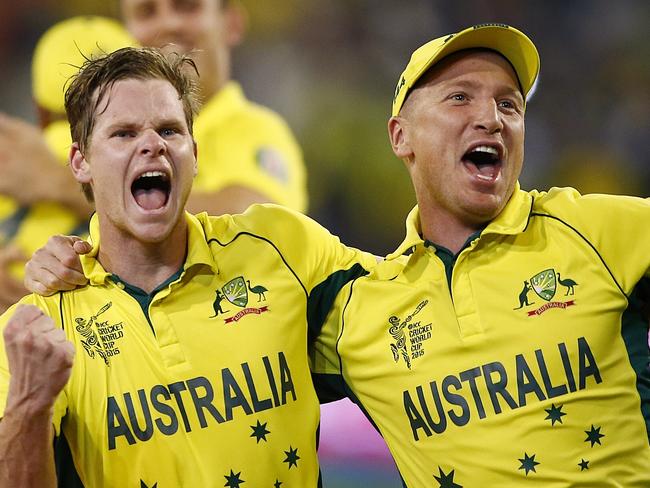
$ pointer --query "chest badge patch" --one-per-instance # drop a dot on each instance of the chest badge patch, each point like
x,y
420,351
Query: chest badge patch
x,y
409,336
236,292
545,285
100,338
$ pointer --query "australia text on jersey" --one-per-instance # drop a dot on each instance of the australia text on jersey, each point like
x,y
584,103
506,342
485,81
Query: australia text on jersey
x,y
136,416
429,407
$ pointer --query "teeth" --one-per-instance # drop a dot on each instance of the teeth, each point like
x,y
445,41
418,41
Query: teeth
x,y
486,149
152,174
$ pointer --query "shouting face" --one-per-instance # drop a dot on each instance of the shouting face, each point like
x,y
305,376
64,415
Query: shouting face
x,y
140,161
461,133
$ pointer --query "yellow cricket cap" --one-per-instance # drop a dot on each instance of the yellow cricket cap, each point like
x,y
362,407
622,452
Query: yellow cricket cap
x,y
511,43
63,48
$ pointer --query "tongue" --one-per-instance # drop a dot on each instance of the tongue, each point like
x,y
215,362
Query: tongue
x,y
152,199
483,171
487,170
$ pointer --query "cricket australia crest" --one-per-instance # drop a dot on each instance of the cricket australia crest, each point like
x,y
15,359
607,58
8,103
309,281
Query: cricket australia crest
x,y
545,285
235,292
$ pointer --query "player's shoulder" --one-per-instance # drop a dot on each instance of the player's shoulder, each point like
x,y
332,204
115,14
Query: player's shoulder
x,y
49,305
255,114
568,203
265,220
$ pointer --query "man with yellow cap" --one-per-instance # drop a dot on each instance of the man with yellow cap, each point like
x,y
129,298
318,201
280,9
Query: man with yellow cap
x,y
25,225
504,341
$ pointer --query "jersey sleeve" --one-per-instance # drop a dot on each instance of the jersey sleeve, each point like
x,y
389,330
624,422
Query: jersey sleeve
x,y
49,306
267,160
320,261
324,361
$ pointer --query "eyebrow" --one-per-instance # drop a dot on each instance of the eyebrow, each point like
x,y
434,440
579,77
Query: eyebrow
x,y
503,89
131,125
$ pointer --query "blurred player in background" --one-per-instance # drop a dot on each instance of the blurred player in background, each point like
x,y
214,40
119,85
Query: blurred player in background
x,y
33,205
248,153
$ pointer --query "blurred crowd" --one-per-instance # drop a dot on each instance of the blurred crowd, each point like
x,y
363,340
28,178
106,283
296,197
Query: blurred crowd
x,y
330,68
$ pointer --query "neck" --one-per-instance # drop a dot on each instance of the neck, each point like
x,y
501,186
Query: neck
x,y
143,264
446,230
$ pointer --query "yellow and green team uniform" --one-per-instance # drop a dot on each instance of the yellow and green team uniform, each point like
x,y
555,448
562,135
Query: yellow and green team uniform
x,y
205,382
244,144
523,360
29,227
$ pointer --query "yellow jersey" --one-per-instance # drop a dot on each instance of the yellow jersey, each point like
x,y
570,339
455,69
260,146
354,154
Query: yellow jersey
x,y
520,361
204,382
242,143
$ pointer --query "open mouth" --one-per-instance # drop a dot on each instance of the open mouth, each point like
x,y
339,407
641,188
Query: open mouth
x,y
151,190
484,162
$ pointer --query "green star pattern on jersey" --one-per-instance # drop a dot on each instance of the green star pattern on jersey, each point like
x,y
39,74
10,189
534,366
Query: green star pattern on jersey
x,y
583,465
277,484
594,435
233,480
528,463
446,480
292,457
555,414
259,431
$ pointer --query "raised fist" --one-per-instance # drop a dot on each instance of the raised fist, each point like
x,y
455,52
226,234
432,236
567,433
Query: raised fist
x,y
39,357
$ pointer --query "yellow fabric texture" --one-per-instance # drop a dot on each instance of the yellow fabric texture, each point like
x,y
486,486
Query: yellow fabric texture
x,y
244,144
29,227
214,386
528,369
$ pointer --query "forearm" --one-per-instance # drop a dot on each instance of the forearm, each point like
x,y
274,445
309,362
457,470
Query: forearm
x,y
26,452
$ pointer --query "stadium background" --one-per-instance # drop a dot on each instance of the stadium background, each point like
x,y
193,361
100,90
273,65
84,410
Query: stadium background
x,y
329,67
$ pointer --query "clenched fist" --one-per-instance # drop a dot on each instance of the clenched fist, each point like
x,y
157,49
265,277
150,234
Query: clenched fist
x,y
39,357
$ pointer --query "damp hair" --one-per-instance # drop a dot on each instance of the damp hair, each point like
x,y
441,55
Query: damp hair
x,y
89,87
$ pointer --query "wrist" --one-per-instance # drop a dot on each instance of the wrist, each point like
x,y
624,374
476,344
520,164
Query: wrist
x,y
29,410
28,405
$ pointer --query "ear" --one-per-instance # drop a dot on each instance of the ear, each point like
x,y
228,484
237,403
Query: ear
x,y
78,164
398,135
235,23
196,158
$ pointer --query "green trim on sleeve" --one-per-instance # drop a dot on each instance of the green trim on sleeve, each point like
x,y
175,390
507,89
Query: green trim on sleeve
x,y
635,328
322,297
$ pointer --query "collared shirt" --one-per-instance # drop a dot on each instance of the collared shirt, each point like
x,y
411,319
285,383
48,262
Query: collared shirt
x,y
244,144
529,366
206,381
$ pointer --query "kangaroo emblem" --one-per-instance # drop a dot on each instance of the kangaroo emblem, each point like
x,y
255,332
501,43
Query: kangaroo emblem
x,y
217,304
523,296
